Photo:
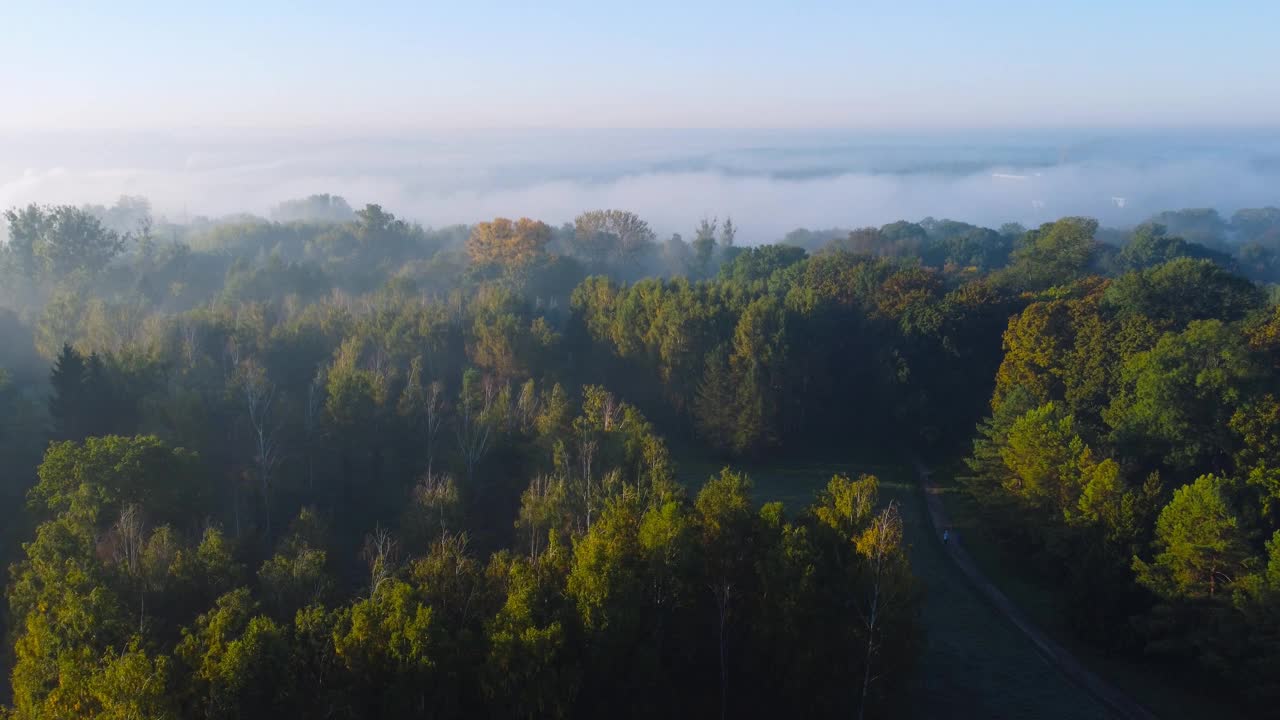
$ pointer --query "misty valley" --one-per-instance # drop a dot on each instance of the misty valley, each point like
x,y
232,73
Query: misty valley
x,y
428,360
332,463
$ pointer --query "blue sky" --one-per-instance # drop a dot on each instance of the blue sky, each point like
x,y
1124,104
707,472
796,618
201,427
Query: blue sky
x,y
426,65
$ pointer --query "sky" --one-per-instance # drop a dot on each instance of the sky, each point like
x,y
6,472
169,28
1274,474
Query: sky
x,y
685,64
784,114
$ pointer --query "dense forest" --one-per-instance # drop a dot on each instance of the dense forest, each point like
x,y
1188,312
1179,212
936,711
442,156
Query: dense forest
x,y
336,464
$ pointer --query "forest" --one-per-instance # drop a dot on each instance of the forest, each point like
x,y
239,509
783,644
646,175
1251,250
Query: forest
x,y
332,463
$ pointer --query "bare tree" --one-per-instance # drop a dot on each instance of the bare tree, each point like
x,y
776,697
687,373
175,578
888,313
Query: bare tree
x,y
381,553
130,543
610,412
435,498
232,354
130,538
587,446
425,404
190,338
341,299
457,309
473,423
259,395
433,416
380,362
527,404
493,391
311,421
540,507
453,587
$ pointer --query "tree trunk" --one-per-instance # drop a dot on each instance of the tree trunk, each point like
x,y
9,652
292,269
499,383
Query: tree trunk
x,y
235,505
866,670
723,602
266,505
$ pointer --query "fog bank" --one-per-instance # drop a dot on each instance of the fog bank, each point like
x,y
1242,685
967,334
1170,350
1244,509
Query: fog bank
x,y
769,182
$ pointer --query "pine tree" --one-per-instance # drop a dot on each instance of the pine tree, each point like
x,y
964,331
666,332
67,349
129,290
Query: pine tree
x,y
67,399
100,410
704,248
727,234
715,407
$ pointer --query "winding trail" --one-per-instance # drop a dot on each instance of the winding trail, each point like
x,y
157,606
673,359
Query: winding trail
x,y
1112,697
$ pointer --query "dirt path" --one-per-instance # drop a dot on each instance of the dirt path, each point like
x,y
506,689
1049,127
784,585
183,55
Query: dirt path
x,y
1062,659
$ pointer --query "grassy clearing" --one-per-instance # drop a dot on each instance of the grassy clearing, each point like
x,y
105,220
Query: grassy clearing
x,y
974,663
1160,694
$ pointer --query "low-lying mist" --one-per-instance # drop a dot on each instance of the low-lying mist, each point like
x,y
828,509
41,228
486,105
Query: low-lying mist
x,y
769,182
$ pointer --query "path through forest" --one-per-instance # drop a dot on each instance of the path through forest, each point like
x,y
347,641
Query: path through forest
x,y
974,663
1117,702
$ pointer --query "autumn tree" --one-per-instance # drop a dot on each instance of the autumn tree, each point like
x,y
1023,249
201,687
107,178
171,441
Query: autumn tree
x,y
512,246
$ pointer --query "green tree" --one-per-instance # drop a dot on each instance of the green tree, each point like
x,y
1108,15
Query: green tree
x,y
92,481
59,240
754,264
606,236
237,660
1177,292
294,579
132,684
530,668
386,642
67,396
1177,399
1257,425
1151,245
704,247
727,526
70,617
1200,544
1055,253
757,361
1042,453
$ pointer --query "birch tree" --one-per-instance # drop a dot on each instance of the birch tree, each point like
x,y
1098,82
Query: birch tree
x,y
259,395
881,546
473,424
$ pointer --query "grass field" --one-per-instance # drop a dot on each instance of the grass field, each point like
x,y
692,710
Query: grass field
x,y
975,664
1162,695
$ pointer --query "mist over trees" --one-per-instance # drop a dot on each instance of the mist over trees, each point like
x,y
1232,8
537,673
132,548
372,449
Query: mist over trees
x,y
314,208
335,463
